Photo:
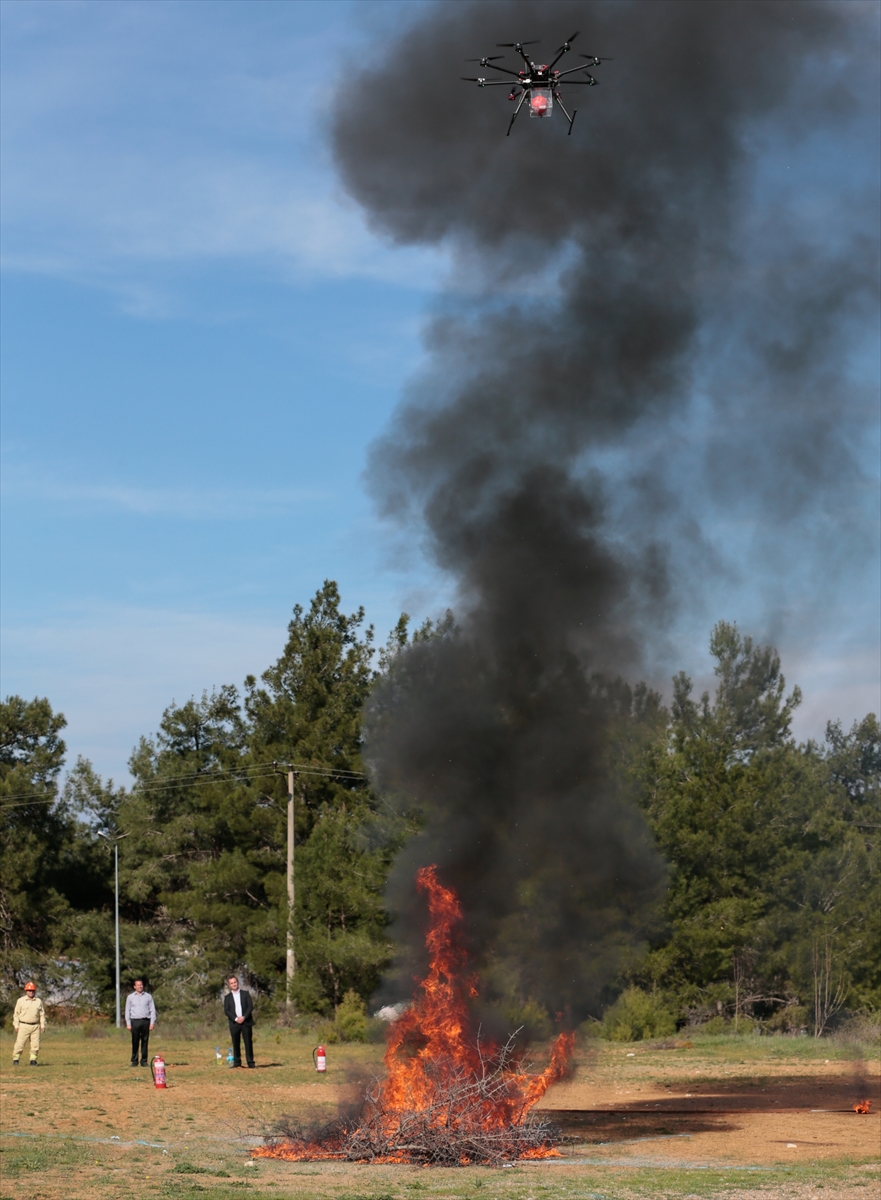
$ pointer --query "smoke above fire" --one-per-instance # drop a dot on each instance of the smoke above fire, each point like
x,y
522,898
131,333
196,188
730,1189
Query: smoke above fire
x,y
642,380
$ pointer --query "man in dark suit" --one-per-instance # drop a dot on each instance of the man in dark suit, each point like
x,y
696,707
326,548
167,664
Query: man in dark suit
x,y
239,1009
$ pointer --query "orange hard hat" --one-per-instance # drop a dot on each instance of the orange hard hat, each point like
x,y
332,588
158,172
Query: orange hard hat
x,y
30,987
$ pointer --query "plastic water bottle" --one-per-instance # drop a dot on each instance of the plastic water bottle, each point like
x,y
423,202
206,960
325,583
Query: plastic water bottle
x,y
230,1057
218,1057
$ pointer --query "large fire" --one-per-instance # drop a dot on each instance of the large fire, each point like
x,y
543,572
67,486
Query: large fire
x,y
448,1098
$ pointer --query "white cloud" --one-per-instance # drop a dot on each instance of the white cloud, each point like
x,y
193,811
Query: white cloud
x,y
112,670
189,503
118,158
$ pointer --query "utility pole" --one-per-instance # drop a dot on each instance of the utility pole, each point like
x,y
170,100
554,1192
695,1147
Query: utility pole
x,y
116,917
291,964
115,841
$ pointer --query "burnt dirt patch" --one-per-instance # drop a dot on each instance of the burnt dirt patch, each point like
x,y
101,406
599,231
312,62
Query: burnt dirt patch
x,y
616,1126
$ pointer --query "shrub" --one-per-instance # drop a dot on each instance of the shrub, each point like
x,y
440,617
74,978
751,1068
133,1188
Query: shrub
x,y
715,1027
793,1018
720,1026
533,1018
349,1024
744,1026
96,1029
377,1031
326,1033
861,1029
637,1015
351,1018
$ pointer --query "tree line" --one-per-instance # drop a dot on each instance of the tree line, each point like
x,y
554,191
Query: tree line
x,y
770,913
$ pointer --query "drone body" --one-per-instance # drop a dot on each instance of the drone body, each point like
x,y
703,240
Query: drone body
x,y
537,84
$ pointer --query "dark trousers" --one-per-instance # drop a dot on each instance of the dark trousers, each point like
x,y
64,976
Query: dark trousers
x,y
140,1038
237,1032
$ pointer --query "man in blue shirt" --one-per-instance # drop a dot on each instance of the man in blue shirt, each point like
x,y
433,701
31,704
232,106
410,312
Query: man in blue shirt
x,y
140,1017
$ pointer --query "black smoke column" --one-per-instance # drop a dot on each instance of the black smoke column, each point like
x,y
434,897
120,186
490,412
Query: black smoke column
x,y
541,454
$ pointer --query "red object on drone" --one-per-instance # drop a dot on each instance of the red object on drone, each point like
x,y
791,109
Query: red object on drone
x,y
538,84
539,104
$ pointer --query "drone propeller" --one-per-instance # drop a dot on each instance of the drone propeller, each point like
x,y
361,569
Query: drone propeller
x,y
596,61
568,42
514,45
486,59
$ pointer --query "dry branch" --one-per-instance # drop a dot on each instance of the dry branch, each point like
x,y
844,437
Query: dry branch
x,y
471,1117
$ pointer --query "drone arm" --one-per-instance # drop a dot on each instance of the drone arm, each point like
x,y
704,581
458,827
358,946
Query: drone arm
x,y
508,71
571,71
564,49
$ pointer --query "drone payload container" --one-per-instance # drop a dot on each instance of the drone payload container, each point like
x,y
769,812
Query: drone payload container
x,y
541,101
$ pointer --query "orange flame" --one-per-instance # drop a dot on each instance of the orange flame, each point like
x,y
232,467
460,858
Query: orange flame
x,y
431,1050
862,1106
437,1027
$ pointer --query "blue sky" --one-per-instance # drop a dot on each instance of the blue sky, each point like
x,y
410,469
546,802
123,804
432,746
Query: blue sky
x,y
200,340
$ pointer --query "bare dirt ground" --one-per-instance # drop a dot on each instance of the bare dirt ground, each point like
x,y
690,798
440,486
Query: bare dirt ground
x,y
734,1107
738,1118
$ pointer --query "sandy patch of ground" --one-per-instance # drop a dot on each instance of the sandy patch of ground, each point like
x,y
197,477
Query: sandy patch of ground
x,y
752,1110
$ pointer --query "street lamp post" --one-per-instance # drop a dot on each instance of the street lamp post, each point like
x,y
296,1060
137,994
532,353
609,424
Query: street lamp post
x,y
115,841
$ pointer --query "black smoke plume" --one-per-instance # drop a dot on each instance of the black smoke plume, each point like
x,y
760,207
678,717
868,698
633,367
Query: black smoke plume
x,y
645,340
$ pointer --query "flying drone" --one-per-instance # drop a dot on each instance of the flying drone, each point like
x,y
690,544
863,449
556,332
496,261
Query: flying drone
x,y
537,84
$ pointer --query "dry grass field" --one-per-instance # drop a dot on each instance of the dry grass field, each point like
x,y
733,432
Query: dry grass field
x,y
748,1117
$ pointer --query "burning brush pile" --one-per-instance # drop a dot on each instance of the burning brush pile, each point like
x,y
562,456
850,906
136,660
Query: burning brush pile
x,y
448,1099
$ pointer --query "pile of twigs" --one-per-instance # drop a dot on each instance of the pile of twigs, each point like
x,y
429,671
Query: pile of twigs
x,y
449,1133
459,1124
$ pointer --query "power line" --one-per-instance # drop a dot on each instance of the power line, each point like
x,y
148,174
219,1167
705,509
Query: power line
x,y
200,779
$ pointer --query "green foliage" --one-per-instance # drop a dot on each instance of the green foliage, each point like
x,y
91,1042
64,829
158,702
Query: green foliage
x,y
775,862
725,1027
36,828
52,870
637,1015
860,1033
792,1018
350,1022
769,915
532,1017
351,1018
203,857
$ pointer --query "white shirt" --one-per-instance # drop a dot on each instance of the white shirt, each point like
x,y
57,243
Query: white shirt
x,y
138,1006
237,1001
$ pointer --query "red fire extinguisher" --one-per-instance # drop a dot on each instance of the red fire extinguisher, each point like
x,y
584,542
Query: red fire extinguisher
x,y
319,1057
157,1068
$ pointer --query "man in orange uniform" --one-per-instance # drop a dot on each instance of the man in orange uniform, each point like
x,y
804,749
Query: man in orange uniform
x,y
28,1021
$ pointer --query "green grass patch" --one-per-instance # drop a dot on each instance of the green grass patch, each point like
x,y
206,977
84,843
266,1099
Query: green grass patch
x,y
40,1154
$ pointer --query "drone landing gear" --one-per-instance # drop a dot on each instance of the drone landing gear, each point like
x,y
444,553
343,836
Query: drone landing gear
x,y
571,119
516,111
